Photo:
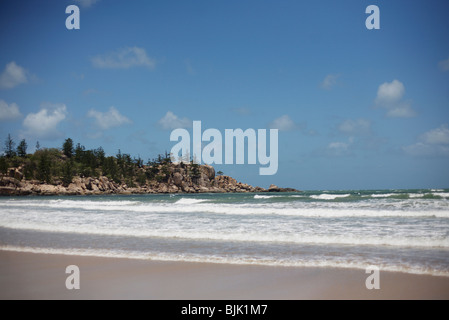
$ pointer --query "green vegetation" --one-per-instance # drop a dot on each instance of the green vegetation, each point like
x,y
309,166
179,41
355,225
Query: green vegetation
x,y
9,147
51,165
22,149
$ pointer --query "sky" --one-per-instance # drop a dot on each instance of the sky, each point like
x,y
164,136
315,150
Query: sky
x,y
355,108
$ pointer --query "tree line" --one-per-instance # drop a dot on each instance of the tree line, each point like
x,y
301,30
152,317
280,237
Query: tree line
x,y
53,165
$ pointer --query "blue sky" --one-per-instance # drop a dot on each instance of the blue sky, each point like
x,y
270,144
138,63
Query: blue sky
x,y
355,108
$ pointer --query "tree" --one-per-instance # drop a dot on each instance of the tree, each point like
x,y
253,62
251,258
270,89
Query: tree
x,y
110,169
220,173
67,173
139,162
79,152
67,148
22,149
38,146
3,165
10,147
44,167
100,155
29,169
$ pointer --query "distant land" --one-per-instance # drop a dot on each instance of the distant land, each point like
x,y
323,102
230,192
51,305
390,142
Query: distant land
x,y
73,170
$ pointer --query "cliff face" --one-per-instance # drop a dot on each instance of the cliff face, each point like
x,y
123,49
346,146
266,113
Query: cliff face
x,y
179,178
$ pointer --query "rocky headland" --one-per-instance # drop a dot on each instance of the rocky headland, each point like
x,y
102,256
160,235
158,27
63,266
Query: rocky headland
x,y
178,178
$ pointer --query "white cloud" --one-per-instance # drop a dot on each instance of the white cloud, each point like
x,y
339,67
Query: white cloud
x,y
283,123
86,3
431,143
389,96
420,149
401,110
390,92
171,121
355,127
436,136
329,81
44,123
444,65
12,76
339,148
9,112
110,119
123,59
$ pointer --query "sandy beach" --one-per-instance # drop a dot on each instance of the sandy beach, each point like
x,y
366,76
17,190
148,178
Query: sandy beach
x,y
42,276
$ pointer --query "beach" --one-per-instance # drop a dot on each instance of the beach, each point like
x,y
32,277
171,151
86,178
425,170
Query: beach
x,y
308,245
42,276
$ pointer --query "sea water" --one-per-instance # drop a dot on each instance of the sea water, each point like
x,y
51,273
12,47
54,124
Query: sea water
x,y
396,230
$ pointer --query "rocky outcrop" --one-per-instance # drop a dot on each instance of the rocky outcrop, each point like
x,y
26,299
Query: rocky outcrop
x,y
275,188
179,178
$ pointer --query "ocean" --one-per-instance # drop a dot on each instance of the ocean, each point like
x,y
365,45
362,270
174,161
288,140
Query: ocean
x,y
396,230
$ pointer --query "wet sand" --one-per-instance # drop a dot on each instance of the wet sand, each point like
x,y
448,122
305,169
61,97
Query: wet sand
x,y
42,276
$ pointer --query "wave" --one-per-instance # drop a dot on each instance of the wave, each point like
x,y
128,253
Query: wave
x,y
242,236
236,260
325,196
384,195
184,201
442,194
403,208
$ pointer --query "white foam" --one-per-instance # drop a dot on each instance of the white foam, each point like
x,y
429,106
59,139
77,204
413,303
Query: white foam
x,y
442,194
196,258
203,232
384,195
258,196
329,196
416,195
369,208
184,201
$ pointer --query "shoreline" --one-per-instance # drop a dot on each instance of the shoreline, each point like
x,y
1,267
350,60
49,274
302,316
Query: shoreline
x,y
12,186
25,275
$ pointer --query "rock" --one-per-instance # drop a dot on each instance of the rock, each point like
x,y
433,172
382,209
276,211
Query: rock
x,y
208,170
48,189
203,181
177,179
289,190
163,188
73,189
18,175
180,178
11,182
274,188
7,191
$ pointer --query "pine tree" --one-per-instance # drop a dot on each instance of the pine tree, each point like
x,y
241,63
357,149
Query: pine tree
x,y
10,147
67,148
22,149
67,173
